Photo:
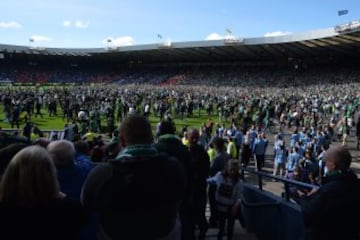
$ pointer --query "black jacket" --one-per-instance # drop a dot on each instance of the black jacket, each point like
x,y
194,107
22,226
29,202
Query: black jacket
x,y
136,197
58,219
172,145
332,212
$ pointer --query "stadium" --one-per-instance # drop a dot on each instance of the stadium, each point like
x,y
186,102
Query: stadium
x,y
338,46
275,84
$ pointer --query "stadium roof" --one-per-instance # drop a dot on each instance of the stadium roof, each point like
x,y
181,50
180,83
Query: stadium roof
x,y
339,41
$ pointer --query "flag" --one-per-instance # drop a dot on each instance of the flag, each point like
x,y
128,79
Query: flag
x,y
228,31
159,36
343,12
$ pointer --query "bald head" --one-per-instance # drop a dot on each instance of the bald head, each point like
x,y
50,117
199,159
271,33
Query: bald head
x,y
338,158
62,152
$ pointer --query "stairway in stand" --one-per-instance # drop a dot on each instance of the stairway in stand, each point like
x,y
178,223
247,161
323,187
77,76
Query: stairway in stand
x,y
239,232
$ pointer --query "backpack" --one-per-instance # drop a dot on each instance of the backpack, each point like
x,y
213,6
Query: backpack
x,y
128,175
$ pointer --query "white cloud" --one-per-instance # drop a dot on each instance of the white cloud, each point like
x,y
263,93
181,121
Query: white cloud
x,y
67,23
276,33
214,36
81,24
75,24
39,38
11,24
118,42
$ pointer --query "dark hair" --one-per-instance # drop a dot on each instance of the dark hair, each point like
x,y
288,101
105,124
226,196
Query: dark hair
x,y
232,164
219,144
82,146
97,153
136,129
193,136
7,153
167,127
296,149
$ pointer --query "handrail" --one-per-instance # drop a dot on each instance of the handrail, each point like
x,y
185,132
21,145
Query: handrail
x,y
260,204
287,182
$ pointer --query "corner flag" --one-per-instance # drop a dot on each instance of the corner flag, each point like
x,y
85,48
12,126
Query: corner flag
x,y
343,12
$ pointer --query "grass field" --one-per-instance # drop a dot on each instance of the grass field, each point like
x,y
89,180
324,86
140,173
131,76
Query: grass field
x,y
57,123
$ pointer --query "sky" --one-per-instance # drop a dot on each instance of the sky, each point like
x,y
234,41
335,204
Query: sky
x,y
111,23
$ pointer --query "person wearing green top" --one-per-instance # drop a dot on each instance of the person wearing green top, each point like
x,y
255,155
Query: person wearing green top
x,y
168,142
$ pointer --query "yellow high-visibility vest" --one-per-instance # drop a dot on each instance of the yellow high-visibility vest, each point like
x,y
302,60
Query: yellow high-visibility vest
x,y
231,149
211,152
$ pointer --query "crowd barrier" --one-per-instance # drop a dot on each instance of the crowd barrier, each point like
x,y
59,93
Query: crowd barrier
x,y
269,216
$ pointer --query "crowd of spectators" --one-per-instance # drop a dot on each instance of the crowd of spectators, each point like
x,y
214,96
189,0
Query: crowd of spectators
x,y
244,108
79,75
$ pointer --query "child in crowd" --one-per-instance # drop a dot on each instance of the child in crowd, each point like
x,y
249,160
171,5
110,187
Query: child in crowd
x,y
229,189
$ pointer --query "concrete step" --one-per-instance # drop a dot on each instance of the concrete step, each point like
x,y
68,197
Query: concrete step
x,y
239,233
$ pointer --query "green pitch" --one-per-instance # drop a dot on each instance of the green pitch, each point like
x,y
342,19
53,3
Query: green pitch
x,y
57,122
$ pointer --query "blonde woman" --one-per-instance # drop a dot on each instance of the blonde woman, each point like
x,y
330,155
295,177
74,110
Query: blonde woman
x,y
31,202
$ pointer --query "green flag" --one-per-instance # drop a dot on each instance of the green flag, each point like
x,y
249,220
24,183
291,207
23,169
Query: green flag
x,y
228,31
